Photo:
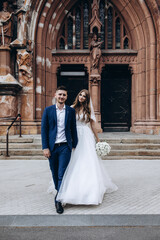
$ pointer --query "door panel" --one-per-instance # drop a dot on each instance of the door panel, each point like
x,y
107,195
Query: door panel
x,y
74,84
116,98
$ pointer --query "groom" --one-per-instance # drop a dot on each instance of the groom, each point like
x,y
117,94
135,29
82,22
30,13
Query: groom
x,y
59,136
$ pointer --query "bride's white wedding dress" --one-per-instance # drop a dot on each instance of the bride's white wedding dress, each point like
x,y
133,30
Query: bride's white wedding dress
x,y
85,180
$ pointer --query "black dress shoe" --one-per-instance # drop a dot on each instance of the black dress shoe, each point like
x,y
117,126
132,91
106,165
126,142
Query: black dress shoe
x,y
59,207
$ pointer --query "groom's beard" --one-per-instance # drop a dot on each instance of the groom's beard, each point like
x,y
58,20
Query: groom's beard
x,y
61,101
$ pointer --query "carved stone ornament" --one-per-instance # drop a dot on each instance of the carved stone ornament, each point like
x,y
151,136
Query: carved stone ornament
x,y
95,79
95,21
24,60
6,25
119,59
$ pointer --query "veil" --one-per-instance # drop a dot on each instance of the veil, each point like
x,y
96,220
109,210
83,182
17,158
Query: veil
x,y
93,117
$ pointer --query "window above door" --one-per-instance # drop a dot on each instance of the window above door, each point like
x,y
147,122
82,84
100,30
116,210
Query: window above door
x,y
74,31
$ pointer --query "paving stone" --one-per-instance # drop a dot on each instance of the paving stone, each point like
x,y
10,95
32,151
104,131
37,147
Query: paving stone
x,y
25,183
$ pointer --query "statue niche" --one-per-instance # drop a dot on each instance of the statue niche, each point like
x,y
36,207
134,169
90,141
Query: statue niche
x,y
95,54
6,25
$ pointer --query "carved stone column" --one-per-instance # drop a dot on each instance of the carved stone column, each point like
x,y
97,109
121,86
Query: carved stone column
x,y
95,56
95,95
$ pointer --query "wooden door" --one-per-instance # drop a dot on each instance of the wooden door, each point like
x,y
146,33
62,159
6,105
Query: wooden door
x,y
116,98
74,78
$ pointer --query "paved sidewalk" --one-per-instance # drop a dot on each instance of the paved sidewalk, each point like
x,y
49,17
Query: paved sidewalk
x,y
23,189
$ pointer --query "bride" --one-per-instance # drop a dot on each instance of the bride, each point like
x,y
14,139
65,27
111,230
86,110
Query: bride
x,y
85,180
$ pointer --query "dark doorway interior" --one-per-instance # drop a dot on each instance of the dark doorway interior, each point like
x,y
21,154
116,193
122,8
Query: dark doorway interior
x,y
116,98
74,78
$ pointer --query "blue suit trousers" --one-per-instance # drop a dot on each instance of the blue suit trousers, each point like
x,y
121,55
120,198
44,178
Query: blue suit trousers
x,y
58,161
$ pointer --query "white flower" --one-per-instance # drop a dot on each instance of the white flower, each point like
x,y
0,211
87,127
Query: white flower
x,y
102,148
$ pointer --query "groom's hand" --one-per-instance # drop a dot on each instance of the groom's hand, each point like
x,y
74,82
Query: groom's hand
x,y
46,153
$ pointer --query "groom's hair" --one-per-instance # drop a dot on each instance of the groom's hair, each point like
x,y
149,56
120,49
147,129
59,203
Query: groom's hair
x,y
62,88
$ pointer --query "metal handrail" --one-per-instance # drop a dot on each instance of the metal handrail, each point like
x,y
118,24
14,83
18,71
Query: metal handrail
x,y
18,117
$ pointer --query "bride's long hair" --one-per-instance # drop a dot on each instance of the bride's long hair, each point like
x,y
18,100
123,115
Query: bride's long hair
x,y
86,105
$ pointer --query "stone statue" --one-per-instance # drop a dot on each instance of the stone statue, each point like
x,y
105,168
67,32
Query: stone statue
x,y
6,25
95,53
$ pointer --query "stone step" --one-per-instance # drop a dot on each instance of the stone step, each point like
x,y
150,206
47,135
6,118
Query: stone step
x,y
106,158
134,146
136,152
131,158
123,146
21,146
115,140
114,146
23,152
18,140
39,152
14,157
131,141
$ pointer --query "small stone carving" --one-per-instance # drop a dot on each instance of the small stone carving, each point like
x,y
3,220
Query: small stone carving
x,y
24,60
6,25
95,53
94,80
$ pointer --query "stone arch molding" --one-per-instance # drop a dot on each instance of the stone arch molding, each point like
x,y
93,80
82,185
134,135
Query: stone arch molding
x,y
141,18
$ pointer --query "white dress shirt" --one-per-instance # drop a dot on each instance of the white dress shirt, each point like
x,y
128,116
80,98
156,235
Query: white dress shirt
x,y
61,137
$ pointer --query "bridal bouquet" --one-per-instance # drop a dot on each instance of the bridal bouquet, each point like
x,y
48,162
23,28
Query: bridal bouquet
x,y
102,148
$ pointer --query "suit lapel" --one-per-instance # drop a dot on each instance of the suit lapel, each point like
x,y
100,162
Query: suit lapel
x,y
66,114
55,114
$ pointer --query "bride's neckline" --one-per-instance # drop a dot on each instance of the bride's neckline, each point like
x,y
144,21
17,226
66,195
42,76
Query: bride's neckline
x,y
80,113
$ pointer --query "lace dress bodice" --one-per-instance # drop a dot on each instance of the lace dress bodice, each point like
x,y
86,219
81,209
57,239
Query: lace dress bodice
x,y
80,121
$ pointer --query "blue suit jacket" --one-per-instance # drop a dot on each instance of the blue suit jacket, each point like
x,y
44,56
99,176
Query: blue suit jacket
x,y
49,127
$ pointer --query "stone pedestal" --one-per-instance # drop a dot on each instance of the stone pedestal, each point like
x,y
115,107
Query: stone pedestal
x,y
4,60
9,87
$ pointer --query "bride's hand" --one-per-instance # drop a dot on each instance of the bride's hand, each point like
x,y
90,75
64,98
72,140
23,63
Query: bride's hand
x,y
97,139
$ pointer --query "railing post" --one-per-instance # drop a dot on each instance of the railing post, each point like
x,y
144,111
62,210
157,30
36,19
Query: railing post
x,y
20,124
7,135
7,153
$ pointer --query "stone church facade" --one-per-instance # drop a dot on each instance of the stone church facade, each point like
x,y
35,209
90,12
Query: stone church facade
x,y
107,46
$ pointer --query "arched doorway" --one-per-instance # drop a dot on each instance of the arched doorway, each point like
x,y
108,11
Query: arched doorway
x,y
116,98
130,37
